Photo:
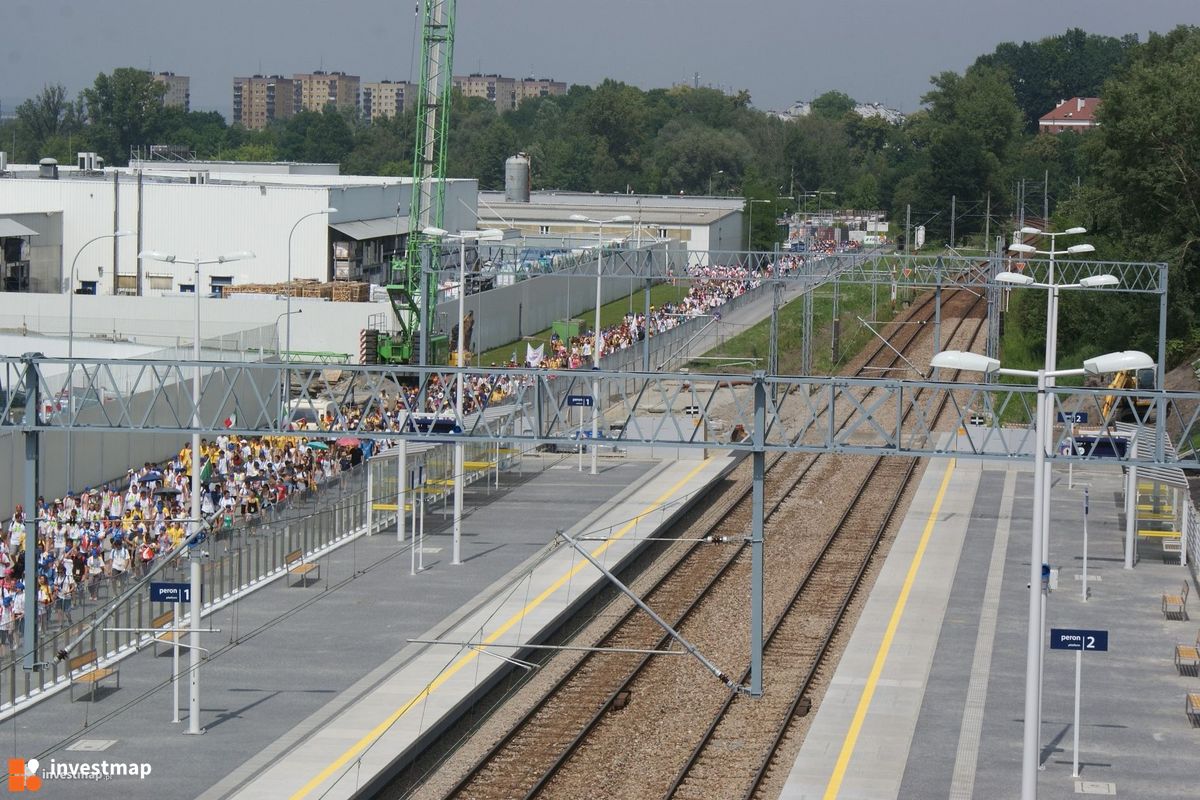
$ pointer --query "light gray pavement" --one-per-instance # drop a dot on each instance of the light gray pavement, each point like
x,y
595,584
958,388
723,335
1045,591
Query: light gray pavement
x,y
289,658
928,701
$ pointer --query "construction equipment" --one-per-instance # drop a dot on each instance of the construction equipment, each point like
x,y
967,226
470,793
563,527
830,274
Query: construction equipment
x,y
411,284
1113,407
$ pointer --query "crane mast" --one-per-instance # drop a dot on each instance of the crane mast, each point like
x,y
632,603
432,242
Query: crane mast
x,y
411,288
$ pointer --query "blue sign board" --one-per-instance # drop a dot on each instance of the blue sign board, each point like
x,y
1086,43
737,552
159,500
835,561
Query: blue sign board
x,y
1073,417
1078,639
584,400
170,593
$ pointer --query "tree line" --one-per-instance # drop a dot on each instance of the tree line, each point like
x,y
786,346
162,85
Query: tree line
x,y
1133,182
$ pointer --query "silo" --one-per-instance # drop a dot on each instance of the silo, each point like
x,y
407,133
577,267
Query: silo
x,y
516,179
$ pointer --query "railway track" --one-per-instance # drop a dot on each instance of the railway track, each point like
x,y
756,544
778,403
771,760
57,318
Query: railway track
x,y
527,760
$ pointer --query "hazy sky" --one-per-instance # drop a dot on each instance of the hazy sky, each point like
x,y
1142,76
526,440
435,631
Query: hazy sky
x,y
780,50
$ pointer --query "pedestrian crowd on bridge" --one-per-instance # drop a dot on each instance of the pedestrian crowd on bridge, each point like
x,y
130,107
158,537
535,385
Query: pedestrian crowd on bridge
x,y
709,288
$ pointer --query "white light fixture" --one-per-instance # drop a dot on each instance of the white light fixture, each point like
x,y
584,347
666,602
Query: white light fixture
x,y
154,255
1097,281
958,359
432,231
1031,231
1022,248
1118,362
1075,231
1076,249
1015,278
238,255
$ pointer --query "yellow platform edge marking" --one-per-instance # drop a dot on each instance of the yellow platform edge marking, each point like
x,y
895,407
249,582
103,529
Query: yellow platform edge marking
x,y
369,738
885,646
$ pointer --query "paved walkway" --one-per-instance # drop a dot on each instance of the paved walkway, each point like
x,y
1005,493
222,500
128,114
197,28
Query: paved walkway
x,y
928,700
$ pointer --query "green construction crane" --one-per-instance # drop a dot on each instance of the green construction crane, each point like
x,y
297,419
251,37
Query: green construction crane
x,y
410,287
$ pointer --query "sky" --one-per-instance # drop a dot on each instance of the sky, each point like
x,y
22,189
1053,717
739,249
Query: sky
x,y
779,50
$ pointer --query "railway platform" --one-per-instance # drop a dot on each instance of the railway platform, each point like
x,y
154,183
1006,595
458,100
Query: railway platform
x,y
312,690
928,699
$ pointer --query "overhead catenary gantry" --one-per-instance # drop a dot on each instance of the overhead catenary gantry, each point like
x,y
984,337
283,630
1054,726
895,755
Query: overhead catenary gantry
x,y
642,409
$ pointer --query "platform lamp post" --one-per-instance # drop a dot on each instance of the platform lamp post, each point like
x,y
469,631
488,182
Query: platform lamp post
x,y
196,527
974,362
462,237
1051,361
596,337
1051,350
287,349
72,277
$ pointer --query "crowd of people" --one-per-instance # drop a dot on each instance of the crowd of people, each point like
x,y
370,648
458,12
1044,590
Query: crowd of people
x,y
709,289
89,545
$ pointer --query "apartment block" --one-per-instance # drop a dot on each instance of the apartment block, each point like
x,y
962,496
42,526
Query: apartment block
x,y
315,90
496,89
506,93
179,93
539,87
381,99
260,99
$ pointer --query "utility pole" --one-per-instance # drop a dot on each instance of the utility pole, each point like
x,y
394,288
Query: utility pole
x,y
953,214
987,222
1046,203
1021,206
908,229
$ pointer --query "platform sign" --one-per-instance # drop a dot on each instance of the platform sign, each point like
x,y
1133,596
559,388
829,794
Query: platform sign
x,y
170,593
1073,417
579,400
1078,639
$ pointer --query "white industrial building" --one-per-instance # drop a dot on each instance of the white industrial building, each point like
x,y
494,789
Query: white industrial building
x,y
698,223
202,209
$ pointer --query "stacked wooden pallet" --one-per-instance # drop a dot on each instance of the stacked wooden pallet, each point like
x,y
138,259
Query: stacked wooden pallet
x,y
351,291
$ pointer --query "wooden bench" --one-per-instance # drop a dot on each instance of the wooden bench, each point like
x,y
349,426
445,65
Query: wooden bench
x,y
92,676
1176,604
1193,708
1187,657
165,620
294,564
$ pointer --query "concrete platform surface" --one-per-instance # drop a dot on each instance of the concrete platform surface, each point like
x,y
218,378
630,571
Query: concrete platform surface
x,y
928,701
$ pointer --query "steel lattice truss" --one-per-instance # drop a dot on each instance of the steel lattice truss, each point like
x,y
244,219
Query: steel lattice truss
x,y
660,263
818,414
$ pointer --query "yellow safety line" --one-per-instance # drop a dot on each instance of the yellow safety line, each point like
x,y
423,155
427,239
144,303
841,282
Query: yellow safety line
x,y
368,739
864,702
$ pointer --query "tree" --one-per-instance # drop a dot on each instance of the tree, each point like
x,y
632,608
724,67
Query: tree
x,y
1144,200
963,140
124,110
1073,64
833,105
322,137
50,114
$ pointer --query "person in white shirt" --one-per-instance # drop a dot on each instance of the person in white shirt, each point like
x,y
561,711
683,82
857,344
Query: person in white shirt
x,y
6,621
120,560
